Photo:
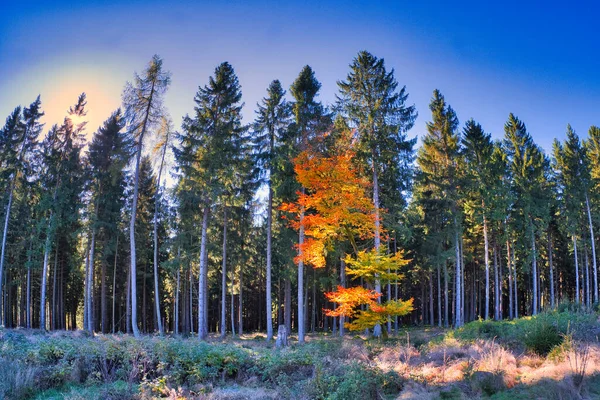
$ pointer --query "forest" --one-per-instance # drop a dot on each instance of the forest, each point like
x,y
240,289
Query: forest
x,y
314,219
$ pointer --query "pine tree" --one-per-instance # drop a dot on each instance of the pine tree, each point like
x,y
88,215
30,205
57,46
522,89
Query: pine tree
x,y
108,155
438,160
529,169
142,101
270,126
309,120
371,101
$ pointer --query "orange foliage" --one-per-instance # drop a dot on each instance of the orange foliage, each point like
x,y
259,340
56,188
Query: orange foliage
x,y
335,203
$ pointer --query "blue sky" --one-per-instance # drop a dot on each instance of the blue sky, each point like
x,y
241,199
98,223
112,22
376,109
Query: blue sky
x,y
540,61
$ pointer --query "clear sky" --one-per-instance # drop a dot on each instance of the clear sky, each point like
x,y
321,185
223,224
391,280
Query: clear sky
x,y
538,60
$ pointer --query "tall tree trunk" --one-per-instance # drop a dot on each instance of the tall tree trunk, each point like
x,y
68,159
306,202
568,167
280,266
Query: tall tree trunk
x,y
287,306
342,284
496,286
28,295
516,294
3,251
446,308
377,328
593,242
439,295
47,248
587,278
301,323
90,291
114,286
313,319
128,302
134,323
161,329
457,278
177,287
269,304
534,309
576,270
487,268
202,278
551,266
510,280
232,304
431,311
224,276
53,315
240,303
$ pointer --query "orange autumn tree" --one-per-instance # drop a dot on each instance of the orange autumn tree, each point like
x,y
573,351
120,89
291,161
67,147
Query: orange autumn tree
x,y
336,207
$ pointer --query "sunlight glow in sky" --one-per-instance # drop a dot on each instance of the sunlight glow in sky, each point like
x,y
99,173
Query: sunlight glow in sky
x,y
540,63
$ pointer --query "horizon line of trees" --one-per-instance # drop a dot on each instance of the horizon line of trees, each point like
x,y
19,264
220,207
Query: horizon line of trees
x,y
93,238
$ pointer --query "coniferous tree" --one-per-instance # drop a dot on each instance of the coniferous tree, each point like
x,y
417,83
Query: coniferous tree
x,y
142,101
309,119
438,160
371,101
270,126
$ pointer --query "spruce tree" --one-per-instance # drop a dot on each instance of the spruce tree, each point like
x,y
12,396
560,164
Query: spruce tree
x,y
373,104
272,121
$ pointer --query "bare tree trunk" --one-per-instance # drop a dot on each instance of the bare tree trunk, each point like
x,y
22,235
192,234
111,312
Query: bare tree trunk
x,y
431,312
487,267
593,242
313,319
551,265
240,304
269,304
232,304
534,272
128,303
516,293
224,276
439,296
576,270
510,281
287,316
377,328
458,290
28,295
53,316
587,279
496,286
114,287
202,277
3,251
90,291
301,323
177,289
342,284
446,308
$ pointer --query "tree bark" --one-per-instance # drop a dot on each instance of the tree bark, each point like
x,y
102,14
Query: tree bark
x,y
457,278
114,287
177,287
202,278
593,242
377,328
534,309
301,323
551,266
269,304
487,267
576,270
224,276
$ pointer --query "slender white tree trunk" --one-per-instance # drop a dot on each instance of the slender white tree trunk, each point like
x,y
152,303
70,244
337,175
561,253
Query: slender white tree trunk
x,y
269,305
377,328
202,277
90,283
496,286
551,266
133,279
301,323
510,281
458,289
593,241
2,254
114,287
576,270
161,329
514,263
177,289
224,276
487,267
534,309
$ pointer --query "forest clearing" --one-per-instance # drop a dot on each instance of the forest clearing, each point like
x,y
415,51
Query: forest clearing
x,y
555,355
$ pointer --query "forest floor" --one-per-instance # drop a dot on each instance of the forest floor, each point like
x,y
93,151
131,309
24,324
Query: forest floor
x,y
555,355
